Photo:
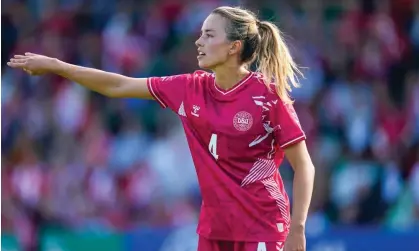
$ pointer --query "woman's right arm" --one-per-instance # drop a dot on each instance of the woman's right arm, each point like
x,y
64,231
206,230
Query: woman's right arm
x,y
107,83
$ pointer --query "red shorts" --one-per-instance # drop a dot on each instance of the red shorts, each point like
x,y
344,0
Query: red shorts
x,y
215,245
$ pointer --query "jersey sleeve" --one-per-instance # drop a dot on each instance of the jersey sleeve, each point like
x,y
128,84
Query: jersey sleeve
x,y
288,130
169,91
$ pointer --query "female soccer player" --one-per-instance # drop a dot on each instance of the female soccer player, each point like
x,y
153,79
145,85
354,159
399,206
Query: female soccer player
x,y
239,125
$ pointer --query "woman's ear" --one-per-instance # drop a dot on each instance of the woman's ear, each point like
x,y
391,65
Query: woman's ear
x,y
235,47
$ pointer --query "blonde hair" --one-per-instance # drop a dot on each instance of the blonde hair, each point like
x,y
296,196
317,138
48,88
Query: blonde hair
x,y
263,43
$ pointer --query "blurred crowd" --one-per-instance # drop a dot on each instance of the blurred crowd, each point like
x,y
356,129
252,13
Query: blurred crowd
x,y
72,158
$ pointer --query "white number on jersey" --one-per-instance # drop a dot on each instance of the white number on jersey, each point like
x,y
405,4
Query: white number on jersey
x,y
261,246
213,145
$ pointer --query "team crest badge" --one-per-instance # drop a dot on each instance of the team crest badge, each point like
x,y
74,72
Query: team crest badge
x,y
242,121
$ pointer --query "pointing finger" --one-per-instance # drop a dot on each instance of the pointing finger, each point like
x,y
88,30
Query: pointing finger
x,y
16,65
20,56
14,60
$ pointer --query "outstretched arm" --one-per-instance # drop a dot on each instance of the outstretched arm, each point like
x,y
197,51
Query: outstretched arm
x,y
107,83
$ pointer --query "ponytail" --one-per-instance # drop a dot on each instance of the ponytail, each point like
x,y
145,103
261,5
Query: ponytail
x,y
275,62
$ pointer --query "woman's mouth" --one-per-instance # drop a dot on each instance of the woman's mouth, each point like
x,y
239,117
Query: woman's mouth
x,y
200,55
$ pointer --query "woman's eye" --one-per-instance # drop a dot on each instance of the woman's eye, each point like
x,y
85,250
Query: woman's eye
x,y
205,35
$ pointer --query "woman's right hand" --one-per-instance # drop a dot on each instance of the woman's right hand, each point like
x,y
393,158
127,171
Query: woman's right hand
x,y
34,64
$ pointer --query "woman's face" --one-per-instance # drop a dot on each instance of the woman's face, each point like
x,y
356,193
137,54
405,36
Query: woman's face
x,y
213,45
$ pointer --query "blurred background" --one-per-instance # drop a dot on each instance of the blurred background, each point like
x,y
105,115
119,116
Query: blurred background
x,y
84,172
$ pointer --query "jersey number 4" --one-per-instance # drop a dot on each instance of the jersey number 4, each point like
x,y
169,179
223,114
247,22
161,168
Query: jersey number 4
x,y
261,246
212,146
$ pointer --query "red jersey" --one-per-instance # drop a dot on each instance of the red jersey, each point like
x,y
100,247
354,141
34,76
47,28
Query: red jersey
x,y
236,139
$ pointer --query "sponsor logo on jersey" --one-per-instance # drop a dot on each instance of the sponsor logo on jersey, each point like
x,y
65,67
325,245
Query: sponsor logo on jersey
x,y
195,110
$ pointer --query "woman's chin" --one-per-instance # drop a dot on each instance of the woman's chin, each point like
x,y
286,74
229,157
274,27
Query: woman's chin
x,y
203,65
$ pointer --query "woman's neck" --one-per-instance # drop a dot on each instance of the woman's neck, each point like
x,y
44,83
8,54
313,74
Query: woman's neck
x,y
226,78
